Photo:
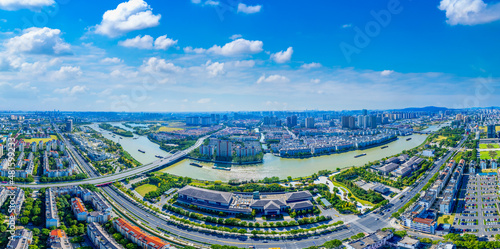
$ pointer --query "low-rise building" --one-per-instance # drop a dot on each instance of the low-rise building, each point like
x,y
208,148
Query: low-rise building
x,y
139,237
233,203
51,217
79,209
59,240
375,240
100,238
408,242
21,239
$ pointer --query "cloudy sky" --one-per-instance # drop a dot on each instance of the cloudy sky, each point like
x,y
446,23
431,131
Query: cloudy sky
x,y
227,55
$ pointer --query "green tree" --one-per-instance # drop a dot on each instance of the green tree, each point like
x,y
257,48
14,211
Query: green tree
x,y
24,220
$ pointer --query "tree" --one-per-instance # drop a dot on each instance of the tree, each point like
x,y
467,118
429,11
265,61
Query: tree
x,y
36,231
131,246
332,244
24,220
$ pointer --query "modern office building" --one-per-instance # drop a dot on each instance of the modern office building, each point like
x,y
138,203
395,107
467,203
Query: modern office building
x,y
69,125
490,131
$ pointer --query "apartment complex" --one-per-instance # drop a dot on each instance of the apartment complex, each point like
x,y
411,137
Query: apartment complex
x,y
21,239
139,237
59,240
100,238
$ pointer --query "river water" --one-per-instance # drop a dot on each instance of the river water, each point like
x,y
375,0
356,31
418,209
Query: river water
x,y
272,165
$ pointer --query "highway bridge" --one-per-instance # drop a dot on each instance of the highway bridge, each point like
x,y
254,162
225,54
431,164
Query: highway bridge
x,y
158,164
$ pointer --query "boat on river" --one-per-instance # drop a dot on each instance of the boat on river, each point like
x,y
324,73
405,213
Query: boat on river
x,y
360,155
196,165
221,168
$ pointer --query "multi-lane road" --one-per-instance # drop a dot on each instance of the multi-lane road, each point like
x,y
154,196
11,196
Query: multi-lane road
x,y
367,223
155,221
95,179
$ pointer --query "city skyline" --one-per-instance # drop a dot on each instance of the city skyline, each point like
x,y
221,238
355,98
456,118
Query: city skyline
x,y
201,56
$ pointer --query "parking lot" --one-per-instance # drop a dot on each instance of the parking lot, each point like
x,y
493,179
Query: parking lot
x,y
477,208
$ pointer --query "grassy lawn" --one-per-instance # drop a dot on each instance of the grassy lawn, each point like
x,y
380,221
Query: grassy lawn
x,y
146,188
487,155
446,219
484,129
458,157
37,140
488,170
340,185
489,146
168,129
439,138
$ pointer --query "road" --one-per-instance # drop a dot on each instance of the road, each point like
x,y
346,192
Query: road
x,y
156,222
95,179
368,223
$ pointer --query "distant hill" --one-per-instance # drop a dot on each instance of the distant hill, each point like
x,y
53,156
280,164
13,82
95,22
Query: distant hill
x,y
423,109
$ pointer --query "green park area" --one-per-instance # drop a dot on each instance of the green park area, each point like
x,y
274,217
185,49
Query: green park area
x,y
487,155
340,185
146,188
446,219
37,140
489,146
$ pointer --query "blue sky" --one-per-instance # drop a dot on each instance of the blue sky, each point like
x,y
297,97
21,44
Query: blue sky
x,y
199,55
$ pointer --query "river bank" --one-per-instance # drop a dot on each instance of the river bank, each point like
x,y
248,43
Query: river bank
x,y
271,165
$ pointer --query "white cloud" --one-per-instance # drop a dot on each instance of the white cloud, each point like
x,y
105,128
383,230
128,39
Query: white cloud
x,y
111,60
194,50
67,72
214,68
245,63
310,65
204,101
235,36
386,72
39,41
275,78
283,56
315,81
164,43
212,3
346,25
248,9
470,12
146,42
154,64
128,16
196,1
71,90
35,5
237,47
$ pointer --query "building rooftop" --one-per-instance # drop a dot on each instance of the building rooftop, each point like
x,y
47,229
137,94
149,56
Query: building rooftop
x,y
206,194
